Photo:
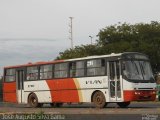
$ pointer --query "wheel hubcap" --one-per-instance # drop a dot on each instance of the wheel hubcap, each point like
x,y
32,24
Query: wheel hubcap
x,y
33,100
99,99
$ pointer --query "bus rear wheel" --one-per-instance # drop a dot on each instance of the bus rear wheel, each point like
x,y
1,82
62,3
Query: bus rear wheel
x,y
123,104
33,101
99,99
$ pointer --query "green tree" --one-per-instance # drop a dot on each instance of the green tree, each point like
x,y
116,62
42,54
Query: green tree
x,y
79,51
141,37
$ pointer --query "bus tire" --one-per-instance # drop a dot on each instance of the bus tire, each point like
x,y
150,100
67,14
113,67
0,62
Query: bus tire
x,y
99,99
123,104
33,101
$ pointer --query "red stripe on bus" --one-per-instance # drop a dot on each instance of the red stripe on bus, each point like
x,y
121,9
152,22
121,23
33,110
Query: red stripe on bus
x,y
139,95
63,90
9,92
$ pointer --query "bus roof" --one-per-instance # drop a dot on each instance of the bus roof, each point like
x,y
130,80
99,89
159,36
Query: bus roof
x,y
37,63
97,56
75,59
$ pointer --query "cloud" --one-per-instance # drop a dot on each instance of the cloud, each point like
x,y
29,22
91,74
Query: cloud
x,y
14,52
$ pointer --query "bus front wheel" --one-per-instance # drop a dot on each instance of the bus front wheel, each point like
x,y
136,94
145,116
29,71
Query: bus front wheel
x,y
123,104
99,99
33,101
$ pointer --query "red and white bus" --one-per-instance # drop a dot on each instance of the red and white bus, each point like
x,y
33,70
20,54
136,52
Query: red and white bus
x,y
115,78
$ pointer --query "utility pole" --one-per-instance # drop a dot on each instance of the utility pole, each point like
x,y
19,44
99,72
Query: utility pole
x,y
91,39
71,31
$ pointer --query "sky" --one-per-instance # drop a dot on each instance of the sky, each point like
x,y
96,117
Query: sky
x,y
37,30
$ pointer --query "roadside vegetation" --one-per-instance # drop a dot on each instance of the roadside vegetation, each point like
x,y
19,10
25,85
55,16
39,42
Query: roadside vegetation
x,y
157,77
123,37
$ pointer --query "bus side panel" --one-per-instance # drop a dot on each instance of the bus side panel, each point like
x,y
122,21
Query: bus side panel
x,y
63,90
9,92
64,96
77,89
88,85
40,88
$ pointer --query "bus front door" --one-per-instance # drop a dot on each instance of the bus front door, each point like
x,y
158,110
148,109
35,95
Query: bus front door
x,y
115,85
20,85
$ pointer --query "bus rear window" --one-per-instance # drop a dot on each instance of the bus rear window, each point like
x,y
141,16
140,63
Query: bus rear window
x,y
10,75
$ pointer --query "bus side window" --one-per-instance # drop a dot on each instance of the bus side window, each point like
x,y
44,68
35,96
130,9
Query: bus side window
x,y
96,67
61,70
10,75
80,69
32,73
112,70
118,69
72,69
46,72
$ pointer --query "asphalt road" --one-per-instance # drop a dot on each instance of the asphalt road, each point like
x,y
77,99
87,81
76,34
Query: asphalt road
x,y
135,111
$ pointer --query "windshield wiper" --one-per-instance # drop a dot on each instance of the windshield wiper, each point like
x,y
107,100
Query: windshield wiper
x,y
135,66
142,69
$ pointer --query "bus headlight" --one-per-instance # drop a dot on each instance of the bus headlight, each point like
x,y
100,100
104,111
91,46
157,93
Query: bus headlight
x,y
137,93
153,92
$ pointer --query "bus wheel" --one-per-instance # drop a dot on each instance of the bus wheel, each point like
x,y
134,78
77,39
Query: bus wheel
x,y
123,104
33,101
99,99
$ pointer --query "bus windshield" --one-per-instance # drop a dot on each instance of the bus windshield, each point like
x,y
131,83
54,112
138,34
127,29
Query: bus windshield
x,y
137,70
